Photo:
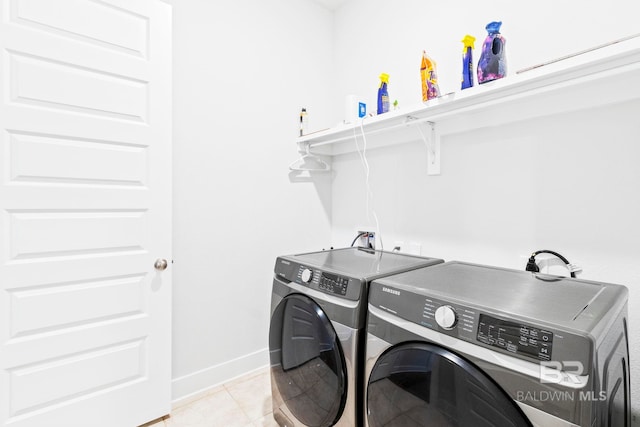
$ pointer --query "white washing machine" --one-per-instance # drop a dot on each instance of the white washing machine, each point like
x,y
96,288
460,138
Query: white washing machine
x,y
316,335
466,345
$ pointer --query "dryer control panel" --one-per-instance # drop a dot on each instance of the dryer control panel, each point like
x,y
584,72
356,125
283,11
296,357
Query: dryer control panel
x,y
333,284
319,280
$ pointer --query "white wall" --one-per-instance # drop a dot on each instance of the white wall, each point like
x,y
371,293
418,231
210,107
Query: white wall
x,y
377,36
569,183
242,71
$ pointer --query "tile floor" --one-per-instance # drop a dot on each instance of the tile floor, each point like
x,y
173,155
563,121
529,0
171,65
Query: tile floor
x,y
243,402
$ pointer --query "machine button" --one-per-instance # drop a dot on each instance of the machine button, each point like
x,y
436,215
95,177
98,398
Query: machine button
x,y
446,317
306,275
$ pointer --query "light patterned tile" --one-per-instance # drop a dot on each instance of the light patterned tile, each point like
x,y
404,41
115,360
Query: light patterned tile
x,y
195,397
246,377
266,421
253,395
215,410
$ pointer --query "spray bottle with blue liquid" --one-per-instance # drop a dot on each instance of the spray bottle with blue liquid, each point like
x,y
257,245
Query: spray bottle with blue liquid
x,y
467,61
383,94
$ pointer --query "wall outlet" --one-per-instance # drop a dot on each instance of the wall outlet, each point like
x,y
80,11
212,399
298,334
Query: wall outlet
x,y
367,239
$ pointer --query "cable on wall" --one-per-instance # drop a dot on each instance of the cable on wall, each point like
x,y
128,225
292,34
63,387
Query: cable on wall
x,y
368,192
357,237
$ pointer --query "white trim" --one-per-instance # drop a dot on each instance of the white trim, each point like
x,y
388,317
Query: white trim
x,y
196,385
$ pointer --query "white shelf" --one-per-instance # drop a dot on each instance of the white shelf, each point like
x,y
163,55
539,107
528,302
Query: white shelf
x,y
602,76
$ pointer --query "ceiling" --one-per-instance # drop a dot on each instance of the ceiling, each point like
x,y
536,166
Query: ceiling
x,y
331,4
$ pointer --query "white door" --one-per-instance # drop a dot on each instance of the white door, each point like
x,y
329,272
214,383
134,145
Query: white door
x,y
85,211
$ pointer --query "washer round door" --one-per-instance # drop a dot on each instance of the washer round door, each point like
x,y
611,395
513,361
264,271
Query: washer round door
x,y
420,384
307,362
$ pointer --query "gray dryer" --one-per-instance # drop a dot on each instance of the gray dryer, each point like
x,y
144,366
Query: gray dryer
x,y
316,335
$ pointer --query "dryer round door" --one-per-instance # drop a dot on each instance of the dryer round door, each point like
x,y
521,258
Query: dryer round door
x,y
420,384
307,362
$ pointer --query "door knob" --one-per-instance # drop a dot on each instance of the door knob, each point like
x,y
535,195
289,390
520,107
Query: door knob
x,y
160,264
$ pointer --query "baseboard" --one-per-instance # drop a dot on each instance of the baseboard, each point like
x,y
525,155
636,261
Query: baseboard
x,y
197,384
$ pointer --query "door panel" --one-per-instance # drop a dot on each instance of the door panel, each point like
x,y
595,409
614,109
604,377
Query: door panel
x,y
96,162
96,26
37,310
48,83
115,364
85,210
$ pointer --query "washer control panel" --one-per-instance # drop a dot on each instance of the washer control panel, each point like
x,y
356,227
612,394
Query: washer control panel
x,y
333,284
482,326
515,337
446,317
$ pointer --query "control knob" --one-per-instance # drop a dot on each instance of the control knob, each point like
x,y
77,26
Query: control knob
x,y
306,275
446,317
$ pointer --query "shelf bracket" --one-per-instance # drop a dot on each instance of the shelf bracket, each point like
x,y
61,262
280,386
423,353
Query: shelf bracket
x,y
432,141
304,147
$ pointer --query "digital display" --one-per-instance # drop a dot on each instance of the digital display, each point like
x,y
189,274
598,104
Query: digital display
x,y
333,284
515,337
